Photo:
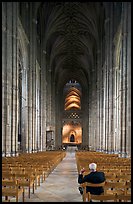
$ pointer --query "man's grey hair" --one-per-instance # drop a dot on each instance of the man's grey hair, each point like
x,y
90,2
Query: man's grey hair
x,y
92,166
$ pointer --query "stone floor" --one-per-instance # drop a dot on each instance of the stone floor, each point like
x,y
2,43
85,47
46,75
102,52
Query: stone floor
x,y
61,185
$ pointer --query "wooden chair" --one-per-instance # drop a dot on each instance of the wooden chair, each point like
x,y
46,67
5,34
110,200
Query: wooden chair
x,y
7,175
35,175
111,177
84,185
25,180
123,198
124,177
102,198
115,188
29,169
128,188
11,188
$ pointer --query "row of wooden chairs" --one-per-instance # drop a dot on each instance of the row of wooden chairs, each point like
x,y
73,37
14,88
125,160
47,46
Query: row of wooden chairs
x,y
109,198
115,188
26,172
106,163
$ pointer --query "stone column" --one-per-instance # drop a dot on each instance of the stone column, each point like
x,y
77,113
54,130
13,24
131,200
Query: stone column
x,y
34,145
108,88
23,49
102,142
119,104
98,99
5,108
34,124
58,117
85,119
14,128
117,43
24,139
30,92
124,68
32,83
38,81
29,110
106,98
111,82
93,111
128,108
101,90
104,80
9,78
89,117
101,99
43,102
49,93
53,111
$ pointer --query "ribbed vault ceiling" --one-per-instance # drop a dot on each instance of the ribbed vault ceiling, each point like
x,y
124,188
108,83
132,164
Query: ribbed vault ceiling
x,y
70,31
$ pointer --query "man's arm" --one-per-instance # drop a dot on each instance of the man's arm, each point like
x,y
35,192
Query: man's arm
x,y
82,179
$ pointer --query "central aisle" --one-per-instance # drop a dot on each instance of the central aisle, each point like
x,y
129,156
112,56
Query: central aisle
x,y
61,185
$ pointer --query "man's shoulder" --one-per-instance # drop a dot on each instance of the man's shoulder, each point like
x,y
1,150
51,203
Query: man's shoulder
x,y
99,172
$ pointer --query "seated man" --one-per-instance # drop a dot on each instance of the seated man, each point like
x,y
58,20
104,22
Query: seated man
x,y
93,177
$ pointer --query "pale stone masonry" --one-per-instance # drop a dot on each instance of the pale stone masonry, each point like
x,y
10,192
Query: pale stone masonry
x,y
47,44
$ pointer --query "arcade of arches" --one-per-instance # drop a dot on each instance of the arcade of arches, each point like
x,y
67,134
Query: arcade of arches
x,y
66,76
